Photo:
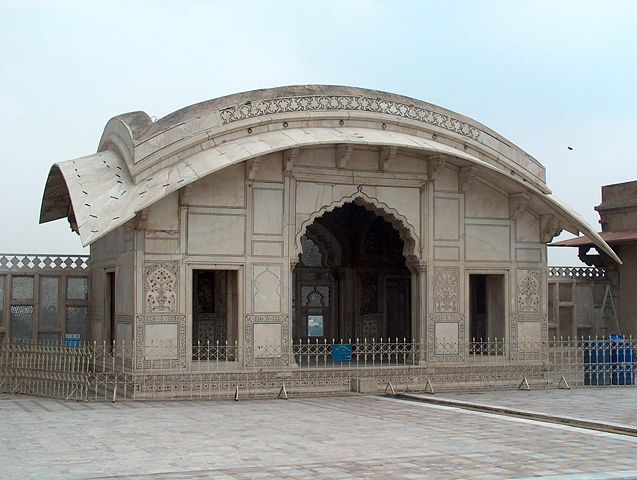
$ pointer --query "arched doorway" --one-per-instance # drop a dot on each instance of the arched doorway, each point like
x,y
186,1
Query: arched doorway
x,y
351,282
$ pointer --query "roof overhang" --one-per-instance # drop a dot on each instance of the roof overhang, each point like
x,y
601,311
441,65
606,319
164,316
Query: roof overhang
x,y
104,195
611,238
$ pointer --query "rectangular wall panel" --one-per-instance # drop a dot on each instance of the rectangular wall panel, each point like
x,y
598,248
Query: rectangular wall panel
x,y
488,242
447,253
446,218
262,248
224,188
528,255
268,211
216,234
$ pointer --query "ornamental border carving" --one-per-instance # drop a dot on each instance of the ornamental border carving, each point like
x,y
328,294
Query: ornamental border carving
x,y
284,358
434,318
361,103
540,318
161,290
140,341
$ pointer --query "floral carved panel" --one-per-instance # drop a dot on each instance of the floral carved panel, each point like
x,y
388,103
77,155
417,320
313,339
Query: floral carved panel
x,y
446,289
529,292
160,287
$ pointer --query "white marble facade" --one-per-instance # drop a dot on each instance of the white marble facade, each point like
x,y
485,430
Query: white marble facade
x,y
233,184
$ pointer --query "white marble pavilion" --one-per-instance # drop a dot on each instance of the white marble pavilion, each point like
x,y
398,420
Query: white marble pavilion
x,y
310,213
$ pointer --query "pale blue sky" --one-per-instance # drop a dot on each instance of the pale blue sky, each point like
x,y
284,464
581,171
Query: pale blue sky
x,y
546,75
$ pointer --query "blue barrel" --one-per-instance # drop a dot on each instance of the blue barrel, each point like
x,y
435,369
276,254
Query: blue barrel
x,y
597,363
622,357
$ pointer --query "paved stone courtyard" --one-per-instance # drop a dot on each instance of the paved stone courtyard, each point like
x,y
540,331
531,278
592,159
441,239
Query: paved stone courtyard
x,y
616,406
320,438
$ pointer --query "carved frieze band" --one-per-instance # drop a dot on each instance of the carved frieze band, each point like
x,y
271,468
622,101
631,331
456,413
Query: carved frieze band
x,y
320,103
160,287
278,357
170,354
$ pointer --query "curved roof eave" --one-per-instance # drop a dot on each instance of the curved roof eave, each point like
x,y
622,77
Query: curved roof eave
x,y
104,195
146,145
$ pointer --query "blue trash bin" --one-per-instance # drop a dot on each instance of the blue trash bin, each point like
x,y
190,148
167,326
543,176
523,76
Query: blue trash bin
x,y
597,363
622,358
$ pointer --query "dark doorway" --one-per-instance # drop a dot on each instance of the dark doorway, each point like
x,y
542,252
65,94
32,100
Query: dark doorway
x,y
487,308
110,307
351,281
214,312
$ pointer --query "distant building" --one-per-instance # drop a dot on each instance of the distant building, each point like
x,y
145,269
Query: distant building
x,y
618,217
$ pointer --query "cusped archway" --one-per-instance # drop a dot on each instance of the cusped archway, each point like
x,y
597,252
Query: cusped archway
x,y
406,231
364,291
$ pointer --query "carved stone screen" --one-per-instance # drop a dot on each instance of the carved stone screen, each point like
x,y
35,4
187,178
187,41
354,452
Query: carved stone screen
x,y
77,288
22,288
49,290
21,323
49,338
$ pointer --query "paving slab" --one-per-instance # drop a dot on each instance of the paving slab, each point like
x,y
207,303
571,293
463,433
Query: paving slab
x,y
320,438
610,405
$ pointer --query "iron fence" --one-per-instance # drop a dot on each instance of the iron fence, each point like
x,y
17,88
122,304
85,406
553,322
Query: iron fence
x,y
222,371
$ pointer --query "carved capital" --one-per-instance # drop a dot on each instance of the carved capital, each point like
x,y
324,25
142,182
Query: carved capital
x,y
343,154
417,266
253,167
142,218
436,163
290,157
550,227
466,175
184,194
386,156
518,203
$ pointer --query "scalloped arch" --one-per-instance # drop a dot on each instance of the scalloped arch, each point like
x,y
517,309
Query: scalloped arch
x,y
407,233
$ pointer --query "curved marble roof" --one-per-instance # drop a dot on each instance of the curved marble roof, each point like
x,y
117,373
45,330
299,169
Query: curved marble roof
x,y
140,161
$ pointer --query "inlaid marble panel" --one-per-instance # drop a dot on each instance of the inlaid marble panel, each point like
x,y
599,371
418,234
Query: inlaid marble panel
x,y
22,288
21,323
160,285
77,288
49,290
76,321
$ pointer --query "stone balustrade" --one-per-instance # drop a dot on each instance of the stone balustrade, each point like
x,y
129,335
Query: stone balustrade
x,y
577,272
35,262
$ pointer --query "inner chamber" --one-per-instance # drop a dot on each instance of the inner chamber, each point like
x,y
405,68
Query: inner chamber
x,y
351,283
